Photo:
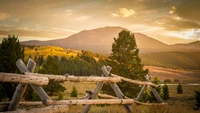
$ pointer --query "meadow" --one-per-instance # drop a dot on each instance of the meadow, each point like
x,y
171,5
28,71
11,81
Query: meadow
x,y
177,103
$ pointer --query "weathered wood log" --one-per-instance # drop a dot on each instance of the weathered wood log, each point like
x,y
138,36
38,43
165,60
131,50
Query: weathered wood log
x,y
38,89
114,86
136,81
91,101
49,109
19,91
86,108
92,79
135,101
149,104
141,92
107,96
156,94
19,78
72,78
49,76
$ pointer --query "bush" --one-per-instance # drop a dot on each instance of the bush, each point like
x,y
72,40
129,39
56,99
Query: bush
x,y
74,92
167,81
60,96
179,89
35,97
165,92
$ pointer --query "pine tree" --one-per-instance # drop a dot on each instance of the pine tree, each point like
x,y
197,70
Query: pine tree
x,y
74,92
179,89
125,61
60,96
10,51
165,92
50,67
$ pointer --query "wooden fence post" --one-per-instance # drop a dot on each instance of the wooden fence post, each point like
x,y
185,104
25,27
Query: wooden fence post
x,y
86,108
116,88
141,92
148,78
21,87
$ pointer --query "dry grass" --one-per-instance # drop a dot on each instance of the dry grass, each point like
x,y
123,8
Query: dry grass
x,y
178,103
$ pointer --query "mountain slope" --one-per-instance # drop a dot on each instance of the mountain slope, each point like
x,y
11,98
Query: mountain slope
x,y
173,59
100,40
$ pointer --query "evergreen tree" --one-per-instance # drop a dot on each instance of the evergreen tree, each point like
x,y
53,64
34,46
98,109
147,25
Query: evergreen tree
x,y
152,97
165,92
50,67
179,89
125,62
74,92
60,96
10,51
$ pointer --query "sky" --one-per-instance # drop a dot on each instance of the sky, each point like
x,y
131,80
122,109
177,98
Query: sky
x,y
169,21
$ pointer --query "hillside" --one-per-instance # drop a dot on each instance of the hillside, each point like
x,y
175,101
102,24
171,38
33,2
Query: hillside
x,y
32,51
176,60
100,40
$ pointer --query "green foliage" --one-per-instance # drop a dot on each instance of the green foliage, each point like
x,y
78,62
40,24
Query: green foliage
x,y
175,60
125,62
165,92
60,96
148,95
167,81
179,89
74,92
197,99
35,97
10,51
50,67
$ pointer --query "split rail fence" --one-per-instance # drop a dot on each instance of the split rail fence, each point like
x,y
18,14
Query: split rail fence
x,y
37,80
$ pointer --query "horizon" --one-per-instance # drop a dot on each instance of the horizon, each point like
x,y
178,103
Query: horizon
x,y
168,21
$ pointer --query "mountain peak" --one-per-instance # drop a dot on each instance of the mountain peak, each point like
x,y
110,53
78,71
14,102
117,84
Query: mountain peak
x,y
100,40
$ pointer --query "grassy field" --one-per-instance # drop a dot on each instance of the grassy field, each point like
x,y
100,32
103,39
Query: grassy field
x,y
178,103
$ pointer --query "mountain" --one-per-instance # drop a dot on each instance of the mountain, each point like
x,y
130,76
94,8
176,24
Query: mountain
x,y
172,59
100,40
190,46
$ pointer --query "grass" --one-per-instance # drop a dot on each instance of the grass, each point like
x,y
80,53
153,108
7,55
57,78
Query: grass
x,y
178,103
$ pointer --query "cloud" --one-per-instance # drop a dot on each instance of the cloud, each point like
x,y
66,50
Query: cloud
x,y
4,16
115,15
173,10
123,12
189,9
35,33
82,18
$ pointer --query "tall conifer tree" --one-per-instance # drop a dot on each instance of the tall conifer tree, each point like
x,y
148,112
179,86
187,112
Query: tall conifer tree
x,y
10,51
125,61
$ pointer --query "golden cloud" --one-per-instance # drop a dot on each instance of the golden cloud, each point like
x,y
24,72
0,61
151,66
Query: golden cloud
x,y
124,12
173,10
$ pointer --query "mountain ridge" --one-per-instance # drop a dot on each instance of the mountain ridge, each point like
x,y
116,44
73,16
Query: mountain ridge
x,y
100,40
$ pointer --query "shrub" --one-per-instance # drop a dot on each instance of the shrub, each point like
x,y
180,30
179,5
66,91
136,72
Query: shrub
x,y
165,92
60,96
179,89
35,97
74,92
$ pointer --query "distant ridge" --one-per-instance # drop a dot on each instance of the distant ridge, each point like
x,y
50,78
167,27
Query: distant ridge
x,y
100,40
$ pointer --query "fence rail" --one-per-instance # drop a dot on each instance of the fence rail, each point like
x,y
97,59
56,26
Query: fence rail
x,y
37,80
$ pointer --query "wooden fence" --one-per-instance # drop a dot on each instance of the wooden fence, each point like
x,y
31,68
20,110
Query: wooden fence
x,y
37,80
